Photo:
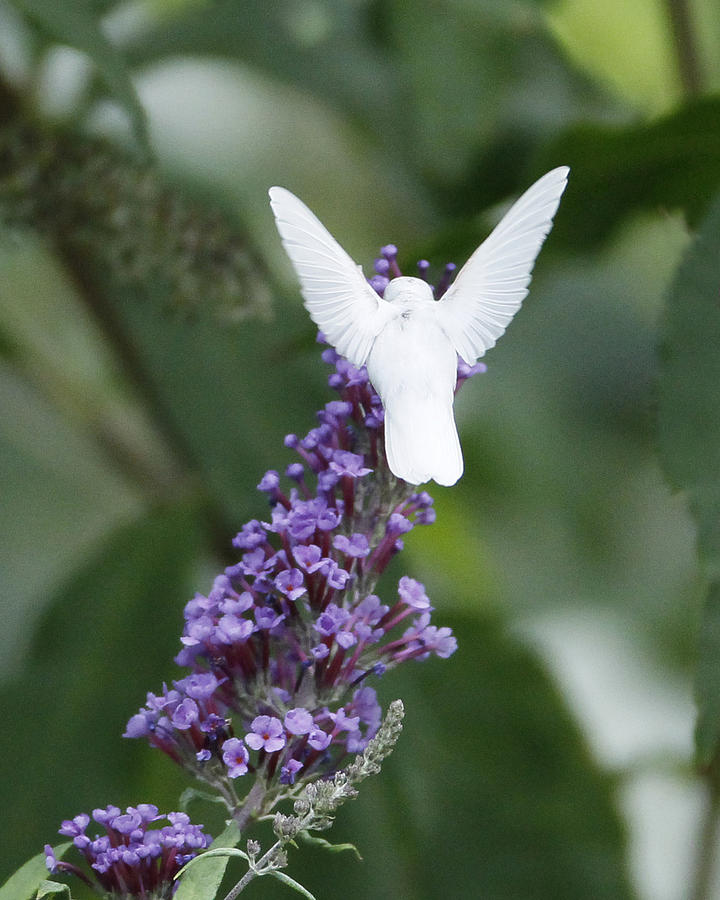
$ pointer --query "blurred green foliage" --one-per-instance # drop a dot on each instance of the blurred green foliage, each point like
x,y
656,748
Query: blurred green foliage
x,y
135,424
689,441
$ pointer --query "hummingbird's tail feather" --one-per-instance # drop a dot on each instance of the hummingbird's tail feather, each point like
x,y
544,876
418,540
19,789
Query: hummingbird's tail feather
x,y
421,439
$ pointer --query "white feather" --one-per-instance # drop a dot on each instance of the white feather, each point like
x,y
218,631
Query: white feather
x,y
488,290
409,342
340,301
421,439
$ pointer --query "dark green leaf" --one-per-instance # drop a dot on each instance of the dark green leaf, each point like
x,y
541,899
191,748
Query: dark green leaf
x,y
106,639
491,776
315,841
23,884
74,22
482,91
201,880
689,440
672,163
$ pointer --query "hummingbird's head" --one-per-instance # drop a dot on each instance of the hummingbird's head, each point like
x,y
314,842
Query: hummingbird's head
x,y
406,288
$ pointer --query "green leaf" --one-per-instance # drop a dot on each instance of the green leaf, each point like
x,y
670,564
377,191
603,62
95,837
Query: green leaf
x,y
491,776
73,22
202,876
213,379
671,163
191,794
295,885
48,888
269,37
688,423
108,637
688,418
23,884
315,841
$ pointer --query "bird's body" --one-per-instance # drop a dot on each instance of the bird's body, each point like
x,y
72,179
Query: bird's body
x,y
409,341
413,367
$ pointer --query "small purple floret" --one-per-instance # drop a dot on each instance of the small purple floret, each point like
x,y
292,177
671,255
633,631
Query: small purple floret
x,y
235,757
267,734
413,593
299,721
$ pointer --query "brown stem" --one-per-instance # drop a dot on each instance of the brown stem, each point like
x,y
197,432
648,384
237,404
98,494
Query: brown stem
x,y
252,805
135,370
681,25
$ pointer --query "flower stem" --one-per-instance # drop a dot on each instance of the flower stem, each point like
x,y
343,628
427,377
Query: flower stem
x,y
252,805
261,866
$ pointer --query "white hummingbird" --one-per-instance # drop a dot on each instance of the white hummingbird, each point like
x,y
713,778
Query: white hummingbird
x,y
409,341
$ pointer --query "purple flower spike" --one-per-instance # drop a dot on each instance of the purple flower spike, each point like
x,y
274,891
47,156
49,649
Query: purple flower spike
x,y
290,636
133,860
267,734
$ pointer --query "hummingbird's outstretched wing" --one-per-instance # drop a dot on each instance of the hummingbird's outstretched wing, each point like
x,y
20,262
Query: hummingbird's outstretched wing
x,y
488,290
340,301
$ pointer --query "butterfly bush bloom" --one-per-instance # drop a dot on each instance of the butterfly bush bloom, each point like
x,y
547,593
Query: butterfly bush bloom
x,y
285,647
131,859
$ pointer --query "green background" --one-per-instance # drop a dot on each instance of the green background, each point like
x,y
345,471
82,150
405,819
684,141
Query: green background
x,y
551,756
